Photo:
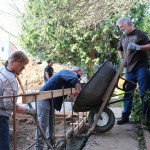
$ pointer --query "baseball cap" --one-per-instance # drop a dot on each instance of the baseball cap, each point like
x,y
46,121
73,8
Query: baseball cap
x,y
75,68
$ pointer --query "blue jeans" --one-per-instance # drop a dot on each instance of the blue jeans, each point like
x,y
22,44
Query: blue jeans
x,y
45,120
140,76
4,133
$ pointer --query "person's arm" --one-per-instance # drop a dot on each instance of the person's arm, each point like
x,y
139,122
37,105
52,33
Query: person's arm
x,y
51,72
144,43
120,53
120,50
145,47
78,87
48,72
136,47
10,88
47,75
30,111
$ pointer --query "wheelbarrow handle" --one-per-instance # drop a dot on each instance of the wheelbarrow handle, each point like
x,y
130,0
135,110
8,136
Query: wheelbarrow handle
x,y
108,93
124,87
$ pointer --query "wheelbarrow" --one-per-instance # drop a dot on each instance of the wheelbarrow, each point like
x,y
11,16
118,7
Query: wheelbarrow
x,y
95,96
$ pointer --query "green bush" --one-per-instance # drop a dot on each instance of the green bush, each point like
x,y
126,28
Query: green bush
x,y
147,98
137,114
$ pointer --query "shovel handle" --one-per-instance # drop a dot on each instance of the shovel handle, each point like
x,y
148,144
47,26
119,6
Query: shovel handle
x,y
19,81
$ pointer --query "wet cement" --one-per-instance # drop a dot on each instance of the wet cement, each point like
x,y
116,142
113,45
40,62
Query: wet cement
x,y
120,137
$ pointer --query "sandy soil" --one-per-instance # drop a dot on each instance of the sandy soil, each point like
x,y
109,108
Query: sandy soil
x,y
26,126
122,137
25,130
32,75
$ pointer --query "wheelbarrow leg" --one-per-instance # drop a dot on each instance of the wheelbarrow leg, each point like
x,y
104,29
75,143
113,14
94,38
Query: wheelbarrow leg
x,y
97,117
108,93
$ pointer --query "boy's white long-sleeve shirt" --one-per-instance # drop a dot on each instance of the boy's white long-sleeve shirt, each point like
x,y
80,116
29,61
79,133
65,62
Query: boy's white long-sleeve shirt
x,y
8,86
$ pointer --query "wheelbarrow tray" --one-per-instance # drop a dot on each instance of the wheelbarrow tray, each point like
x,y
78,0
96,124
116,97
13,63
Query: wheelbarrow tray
x,y
91,94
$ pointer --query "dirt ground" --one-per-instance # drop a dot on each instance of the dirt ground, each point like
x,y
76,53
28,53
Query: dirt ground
x,y
32,75
118,138
25,130
26,127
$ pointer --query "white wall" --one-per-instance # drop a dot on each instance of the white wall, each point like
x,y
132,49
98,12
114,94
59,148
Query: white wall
x,y
9,28
4,50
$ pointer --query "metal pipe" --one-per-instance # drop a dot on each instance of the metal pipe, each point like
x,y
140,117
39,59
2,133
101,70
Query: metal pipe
x,y
29,94
29,104
64,121
14,123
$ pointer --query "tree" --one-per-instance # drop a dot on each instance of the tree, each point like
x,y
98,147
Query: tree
x,y
53,29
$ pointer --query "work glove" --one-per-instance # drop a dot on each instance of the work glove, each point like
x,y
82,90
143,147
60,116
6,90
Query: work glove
x,y
30,111
75,94
121,60
133,46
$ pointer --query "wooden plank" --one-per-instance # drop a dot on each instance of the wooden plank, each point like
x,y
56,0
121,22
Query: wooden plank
x,y
73,131
75,123
59,136
76,130
46,95
66,113
59,118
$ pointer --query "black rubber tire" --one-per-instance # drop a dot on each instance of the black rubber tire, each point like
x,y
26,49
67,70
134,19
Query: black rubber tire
x,y
102,125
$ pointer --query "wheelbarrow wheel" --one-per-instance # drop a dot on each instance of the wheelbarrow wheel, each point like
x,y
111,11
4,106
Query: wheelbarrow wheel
x,y
105,122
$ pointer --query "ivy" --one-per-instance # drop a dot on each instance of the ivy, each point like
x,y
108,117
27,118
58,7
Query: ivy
x,y
137,114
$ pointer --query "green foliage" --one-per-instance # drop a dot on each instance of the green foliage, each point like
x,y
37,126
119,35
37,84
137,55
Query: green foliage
x,y
146,24
141,138
49,32
45,36
141,15
147,98
137,114
118,97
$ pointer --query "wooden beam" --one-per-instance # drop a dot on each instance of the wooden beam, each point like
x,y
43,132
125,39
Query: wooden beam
x,y
59,136
76,130
73,131
46,95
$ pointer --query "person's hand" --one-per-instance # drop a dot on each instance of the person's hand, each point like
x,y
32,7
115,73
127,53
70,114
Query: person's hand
x,y
74,94
121,60
30,111
78,87
133,46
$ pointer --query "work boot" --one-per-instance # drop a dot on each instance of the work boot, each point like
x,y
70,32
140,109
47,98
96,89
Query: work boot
x,y
122,120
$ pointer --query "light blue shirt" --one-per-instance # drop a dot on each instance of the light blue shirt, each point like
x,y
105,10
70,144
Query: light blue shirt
x,y
8,86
